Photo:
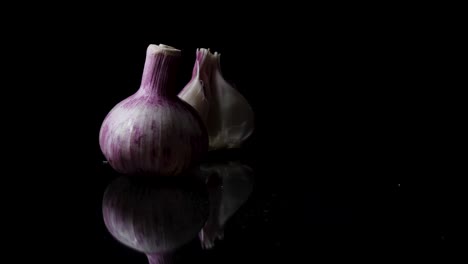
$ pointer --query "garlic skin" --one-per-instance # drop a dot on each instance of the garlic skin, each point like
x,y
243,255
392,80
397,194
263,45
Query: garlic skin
x,y
227,115
153,132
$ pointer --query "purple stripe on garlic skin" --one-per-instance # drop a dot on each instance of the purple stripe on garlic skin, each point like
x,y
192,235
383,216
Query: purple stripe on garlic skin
x,y
153,132
147,146
158,74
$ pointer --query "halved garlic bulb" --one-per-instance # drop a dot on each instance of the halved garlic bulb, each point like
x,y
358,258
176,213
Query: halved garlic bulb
x,y
227,115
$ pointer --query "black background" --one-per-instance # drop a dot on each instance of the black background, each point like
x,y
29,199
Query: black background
x,y
347,107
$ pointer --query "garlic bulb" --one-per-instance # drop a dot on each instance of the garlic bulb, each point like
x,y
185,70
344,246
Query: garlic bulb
x,y
154,132
226,113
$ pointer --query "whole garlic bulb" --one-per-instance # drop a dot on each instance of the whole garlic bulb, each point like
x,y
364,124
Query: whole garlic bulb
x,y
153,132
226,113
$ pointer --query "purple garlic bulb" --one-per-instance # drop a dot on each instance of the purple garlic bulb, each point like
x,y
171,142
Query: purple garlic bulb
x,y
153,132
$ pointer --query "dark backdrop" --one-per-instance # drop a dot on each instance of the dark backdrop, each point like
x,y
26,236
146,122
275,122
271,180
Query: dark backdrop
x,y
347,108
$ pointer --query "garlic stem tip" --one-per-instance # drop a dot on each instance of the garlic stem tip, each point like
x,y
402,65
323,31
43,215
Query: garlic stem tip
x,y
164,49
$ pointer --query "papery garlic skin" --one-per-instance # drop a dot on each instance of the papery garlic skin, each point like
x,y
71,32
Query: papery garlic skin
x,y
194,94
226,113
153,132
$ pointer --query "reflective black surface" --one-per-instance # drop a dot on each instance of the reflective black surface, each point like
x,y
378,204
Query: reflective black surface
x,y
157,216
344,113
257,216
229,203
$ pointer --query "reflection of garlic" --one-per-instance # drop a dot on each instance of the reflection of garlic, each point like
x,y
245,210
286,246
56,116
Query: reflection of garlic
x,y
226,113
229,187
